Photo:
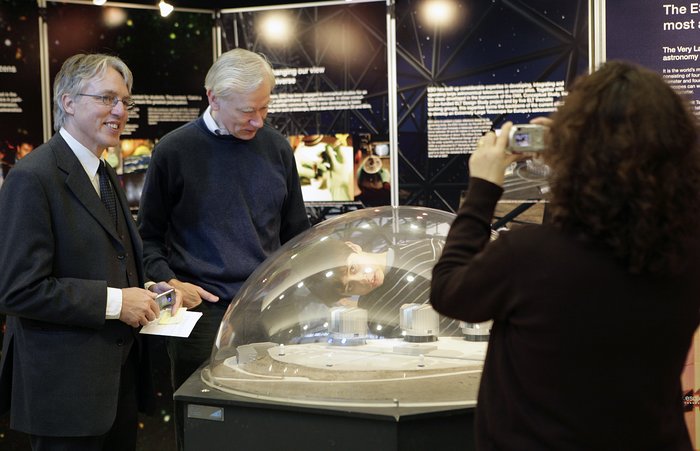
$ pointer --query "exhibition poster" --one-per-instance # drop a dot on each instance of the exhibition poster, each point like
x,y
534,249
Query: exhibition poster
x,y
21,127
663,36
330,64
461,73
169,58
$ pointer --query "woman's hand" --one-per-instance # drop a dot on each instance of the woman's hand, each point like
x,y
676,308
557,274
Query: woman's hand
x,y
490,159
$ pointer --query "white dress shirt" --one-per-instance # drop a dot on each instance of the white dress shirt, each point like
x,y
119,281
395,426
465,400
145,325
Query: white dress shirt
x,y
91,163
212,125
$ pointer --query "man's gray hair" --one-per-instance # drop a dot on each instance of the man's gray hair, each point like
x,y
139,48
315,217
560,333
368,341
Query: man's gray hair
x,y
238,71
76,72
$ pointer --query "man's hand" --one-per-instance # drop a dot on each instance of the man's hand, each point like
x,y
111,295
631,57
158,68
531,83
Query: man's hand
x,y
138,307
192,295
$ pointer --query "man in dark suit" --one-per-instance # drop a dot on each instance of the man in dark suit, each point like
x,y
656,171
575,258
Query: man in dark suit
x,y
74,370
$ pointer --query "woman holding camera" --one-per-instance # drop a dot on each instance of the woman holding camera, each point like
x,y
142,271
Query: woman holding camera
x,y
593,312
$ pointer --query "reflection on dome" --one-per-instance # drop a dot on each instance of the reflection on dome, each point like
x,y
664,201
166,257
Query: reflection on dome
x,y
340,315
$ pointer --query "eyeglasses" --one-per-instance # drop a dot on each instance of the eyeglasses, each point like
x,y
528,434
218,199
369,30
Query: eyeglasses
x,y
111,101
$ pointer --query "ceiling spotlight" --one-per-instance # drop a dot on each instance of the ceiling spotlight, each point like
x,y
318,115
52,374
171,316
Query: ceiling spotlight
x,y
276,27
439,12
165,8
99,2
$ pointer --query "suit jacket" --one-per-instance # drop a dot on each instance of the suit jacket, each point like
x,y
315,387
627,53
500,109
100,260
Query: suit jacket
x,y
61,358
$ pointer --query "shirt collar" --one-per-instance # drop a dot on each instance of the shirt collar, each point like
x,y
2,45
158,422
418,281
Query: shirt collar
x,y
212,125
87,159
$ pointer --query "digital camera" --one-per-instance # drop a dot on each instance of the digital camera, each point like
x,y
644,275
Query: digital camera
x,y
165,299
526,138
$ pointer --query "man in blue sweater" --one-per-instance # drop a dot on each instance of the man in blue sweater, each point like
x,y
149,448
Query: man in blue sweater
x,y
221,194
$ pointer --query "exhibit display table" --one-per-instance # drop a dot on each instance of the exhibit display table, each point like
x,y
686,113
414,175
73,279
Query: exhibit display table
x,y
219,420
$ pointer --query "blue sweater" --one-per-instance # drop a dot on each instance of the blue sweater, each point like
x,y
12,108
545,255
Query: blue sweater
x,y
214,207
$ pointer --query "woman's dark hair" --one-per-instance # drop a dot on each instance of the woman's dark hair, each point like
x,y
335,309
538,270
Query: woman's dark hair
x,y
623,150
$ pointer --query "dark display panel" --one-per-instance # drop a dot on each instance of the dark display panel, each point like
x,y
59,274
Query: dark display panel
x,y
494,61
21,127
330,62
661,36
169,58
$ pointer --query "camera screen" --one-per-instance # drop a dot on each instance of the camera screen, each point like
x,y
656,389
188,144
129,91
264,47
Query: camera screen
x,y
521,139
165,299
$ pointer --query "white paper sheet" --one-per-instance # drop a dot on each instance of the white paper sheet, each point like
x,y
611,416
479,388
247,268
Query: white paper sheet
x,y
181,329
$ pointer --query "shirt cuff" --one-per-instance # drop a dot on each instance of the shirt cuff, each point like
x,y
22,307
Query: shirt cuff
x,y
114,303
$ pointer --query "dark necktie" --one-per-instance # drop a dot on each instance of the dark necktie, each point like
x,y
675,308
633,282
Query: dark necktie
x,y
107,193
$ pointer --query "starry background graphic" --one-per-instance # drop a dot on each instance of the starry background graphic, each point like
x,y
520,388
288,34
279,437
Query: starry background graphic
x,y
489,42
19,47
349,41
166,55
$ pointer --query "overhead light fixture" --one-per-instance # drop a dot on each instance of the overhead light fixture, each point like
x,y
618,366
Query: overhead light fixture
x,y
439,12
165,8
114,17
99,2
276,27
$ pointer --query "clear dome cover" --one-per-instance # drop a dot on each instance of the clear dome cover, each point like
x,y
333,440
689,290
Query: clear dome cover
x,y
340,315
